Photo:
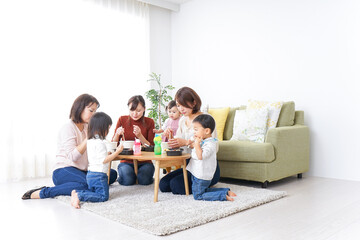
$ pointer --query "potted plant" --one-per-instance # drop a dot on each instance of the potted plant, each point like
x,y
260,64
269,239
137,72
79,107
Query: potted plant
x,y
159,98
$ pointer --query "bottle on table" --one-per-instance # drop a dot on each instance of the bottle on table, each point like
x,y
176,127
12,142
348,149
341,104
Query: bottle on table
x,y
157,142
137,147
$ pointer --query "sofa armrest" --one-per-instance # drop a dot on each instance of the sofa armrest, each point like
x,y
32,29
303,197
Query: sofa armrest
x,y
291,144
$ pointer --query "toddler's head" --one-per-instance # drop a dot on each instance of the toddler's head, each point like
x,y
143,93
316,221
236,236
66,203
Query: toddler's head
x,y
99,124
204,126
172,110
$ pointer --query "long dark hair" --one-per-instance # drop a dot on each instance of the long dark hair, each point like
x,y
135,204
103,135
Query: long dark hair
x,y
186,96
99,125
133,103
79,105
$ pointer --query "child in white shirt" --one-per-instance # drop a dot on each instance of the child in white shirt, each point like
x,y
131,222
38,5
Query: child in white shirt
x,y
202,164
99,159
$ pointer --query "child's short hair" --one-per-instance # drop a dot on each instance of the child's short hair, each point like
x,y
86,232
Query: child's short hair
x,y
206,121
170,105
99,125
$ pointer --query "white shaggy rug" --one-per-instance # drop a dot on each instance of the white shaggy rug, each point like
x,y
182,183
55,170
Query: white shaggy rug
x,y
133,206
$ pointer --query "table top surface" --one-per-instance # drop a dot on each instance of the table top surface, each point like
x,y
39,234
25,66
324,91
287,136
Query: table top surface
x,y
151,156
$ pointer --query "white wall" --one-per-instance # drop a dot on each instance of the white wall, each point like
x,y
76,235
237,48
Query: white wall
x,y
308,51
160,42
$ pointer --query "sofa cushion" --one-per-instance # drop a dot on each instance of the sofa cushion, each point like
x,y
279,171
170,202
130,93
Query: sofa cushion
x,y
273,107
287,115
245,151
229,125
250,124
220,115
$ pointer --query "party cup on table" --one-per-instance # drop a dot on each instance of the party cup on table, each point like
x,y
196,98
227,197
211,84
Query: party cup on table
x,y
111,146
164,147
128,144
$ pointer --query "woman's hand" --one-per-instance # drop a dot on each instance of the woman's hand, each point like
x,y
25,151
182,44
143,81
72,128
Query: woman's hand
x,y
137,131
120,131
177,142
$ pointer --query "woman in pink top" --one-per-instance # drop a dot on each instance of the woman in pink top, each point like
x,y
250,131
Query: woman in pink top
x,y
71,158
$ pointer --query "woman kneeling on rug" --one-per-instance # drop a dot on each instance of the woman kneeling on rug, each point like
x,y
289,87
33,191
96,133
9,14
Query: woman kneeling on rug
x,y
189,104
129,127
71,158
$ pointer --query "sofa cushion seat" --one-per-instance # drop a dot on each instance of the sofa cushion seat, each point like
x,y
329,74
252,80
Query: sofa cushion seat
x,y
245,151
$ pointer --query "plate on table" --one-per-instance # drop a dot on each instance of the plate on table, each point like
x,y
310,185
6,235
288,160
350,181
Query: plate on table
x,y
148,149
127,151
174,151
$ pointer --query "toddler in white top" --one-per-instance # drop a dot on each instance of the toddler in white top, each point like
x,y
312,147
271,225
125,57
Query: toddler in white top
x,y
99,160
202,164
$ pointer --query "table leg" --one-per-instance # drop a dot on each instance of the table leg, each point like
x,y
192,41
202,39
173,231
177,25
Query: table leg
x,y
108,173
186,182
136,169
157,180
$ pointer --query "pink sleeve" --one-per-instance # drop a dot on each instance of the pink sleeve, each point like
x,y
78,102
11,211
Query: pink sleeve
x,y
69,142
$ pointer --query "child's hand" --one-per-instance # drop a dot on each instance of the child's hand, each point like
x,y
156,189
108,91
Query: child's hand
x,y
168,133
120,131
120,147
198,140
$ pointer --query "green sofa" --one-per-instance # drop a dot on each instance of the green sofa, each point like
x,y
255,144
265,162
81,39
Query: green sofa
x,y
284,153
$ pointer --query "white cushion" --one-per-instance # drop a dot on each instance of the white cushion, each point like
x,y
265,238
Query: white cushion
x,y
250,124
274,109
240,125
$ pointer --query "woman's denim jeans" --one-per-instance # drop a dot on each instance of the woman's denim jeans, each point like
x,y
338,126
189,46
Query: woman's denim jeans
x,y
201,191
98,188
127,175
174,181
67,179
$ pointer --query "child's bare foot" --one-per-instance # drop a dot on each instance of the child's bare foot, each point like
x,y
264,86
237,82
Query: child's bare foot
x,y
75,202
229,198
231,194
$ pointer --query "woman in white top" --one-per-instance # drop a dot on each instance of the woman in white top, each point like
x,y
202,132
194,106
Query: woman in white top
x,y
189,104
71,158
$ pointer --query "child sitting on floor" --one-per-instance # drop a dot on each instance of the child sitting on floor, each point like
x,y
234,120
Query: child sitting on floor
x,y
99,159
202,164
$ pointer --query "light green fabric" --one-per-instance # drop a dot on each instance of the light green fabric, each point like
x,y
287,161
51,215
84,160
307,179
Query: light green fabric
x,y
299,117
246,151
251,161
291,146
287,114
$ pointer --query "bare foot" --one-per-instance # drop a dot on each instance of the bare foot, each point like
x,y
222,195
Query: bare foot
x,y
75,202
35,195
231,194
229,198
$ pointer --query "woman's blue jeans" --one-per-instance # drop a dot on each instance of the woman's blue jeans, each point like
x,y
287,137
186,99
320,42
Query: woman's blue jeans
x,y
127,174
174,181
98,188
201,190
67,179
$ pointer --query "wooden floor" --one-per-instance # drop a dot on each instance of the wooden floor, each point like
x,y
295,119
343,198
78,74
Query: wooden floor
x,y
315,208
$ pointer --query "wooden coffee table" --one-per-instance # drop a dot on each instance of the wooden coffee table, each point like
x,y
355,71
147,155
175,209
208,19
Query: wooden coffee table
x,y
161,161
